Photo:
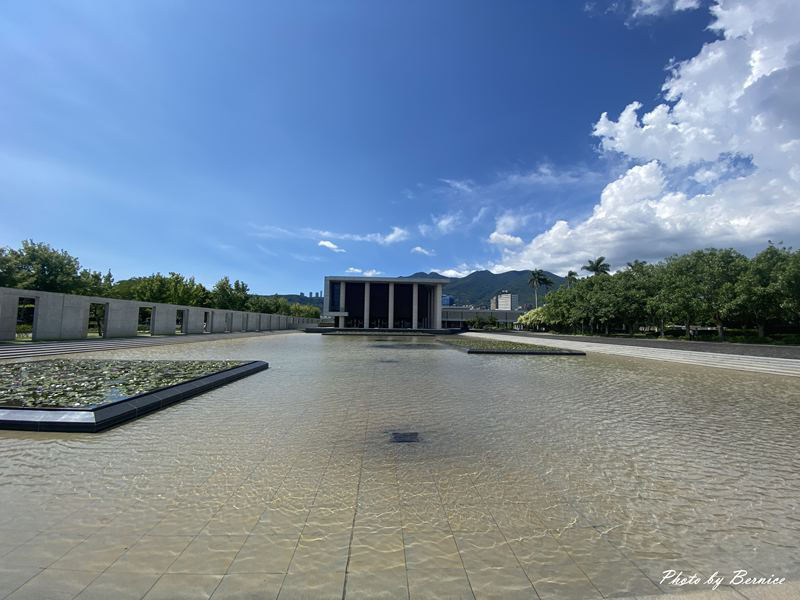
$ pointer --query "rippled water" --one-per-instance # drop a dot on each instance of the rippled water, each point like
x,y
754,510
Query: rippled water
x,y
562,477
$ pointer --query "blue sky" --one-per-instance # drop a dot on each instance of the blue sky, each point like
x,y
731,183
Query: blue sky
x,y
277,142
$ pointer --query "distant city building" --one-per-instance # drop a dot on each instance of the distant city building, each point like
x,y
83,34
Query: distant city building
x,y
302,294
505,300
448,300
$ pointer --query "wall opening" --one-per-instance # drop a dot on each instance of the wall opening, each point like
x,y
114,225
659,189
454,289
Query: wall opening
x,y
424,301
26,311
181,321
403,305
354,304
206,321
144,325
98,315
379,305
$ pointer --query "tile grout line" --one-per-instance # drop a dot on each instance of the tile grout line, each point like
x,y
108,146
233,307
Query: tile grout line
x,y
452,534
505,538
358,493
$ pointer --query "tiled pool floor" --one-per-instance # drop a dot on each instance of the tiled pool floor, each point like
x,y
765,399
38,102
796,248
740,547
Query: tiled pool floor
x,y
533,477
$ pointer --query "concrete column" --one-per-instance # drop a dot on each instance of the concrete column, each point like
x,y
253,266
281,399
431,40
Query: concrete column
x,y
414,306
437,307
75,317
342,298
194,320
366,305
9,302
122,318
391,306
162,319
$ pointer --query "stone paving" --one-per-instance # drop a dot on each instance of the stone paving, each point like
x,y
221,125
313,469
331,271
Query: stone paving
x,y
739,362
286,484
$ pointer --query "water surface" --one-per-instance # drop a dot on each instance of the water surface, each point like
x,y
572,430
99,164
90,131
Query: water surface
x,y
533,476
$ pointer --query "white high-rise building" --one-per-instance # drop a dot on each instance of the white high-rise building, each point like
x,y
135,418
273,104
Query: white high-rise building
x,y
505,300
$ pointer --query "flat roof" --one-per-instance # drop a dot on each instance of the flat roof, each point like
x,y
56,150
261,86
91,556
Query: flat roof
x,y
425,280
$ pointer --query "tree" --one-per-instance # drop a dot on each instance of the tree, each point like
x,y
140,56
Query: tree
x,y
571,278
38,266
538,279
790,285
231,297
679,296
598,266
758,291
8,268
717,272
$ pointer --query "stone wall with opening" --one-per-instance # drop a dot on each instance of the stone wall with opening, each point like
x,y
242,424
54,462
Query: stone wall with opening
x,y
34,315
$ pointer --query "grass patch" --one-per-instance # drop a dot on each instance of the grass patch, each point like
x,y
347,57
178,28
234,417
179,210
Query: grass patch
x,y
469,343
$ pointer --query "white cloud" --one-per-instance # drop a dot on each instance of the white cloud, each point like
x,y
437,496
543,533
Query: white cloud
x,y
366,273
455,273
330,246
505,225
441,224
271,231
447,223
397,234
736,100
654,7
504,239
421,250
464,186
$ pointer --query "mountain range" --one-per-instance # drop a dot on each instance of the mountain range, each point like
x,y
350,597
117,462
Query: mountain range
x,y
478,287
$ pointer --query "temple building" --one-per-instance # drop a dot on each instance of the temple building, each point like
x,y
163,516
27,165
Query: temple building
x,y
384,302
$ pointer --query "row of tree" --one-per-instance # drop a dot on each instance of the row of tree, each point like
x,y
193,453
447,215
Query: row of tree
x,y
37,266
716,287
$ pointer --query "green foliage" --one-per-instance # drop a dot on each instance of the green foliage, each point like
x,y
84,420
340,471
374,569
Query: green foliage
x,y
37,266
537,280
711,287
598,266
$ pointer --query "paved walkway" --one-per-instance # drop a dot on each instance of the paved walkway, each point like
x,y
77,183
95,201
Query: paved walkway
x,y
761,364
16,350
716,347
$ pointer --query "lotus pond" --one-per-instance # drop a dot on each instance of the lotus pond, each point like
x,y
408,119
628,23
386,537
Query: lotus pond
x,y
65,383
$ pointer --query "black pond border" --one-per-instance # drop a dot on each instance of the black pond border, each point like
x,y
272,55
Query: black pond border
x,y
127,409
530,352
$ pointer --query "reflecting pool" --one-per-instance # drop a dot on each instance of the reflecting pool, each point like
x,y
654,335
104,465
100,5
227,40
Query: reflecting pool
x,y
531,477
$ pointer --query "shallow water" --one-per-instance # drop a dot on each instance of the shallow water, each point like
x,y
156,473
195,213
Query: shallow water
x,y
562,477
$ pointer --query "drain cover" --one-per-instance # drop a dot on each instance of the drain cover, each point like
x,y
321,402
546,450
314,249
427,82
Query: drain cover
x,y
404,437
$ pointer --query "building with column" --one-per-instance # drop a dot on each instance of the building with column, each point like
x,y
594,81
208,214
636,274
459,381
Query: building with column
x,y
384,302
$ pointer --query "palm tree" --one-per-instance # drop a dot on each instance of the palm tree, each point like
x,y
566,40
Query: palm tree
x,y
571,279
538,279
598,266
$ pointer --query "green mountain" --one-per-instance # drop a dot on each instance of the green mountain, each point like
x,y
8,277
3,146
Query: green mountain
x,y
478,288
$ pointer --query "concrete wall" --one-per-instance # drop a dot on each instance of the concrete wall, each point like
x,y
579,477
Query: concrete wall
x,y
123,318
66,317
217,321
194,320
462,315
162,321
